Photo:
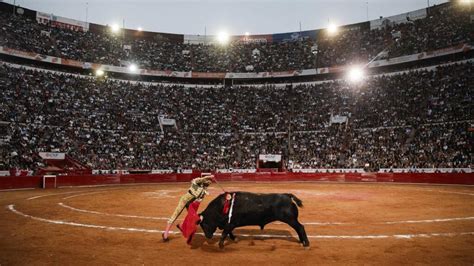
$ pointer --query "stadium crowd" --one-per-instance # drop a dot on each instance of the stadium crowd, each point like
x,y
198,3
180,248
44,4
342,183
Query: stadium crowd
x,y
413,119
445,26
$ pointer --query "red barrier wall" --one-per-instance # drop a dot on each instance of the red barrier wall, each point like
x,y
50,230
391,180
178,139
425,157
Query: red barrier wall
x,y
15,182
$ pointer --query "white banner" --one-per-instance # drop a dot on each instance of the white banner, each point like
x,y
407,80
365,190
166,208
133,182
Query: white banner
x,y
196,39
167,121
4,173
338,119
120,172
224,171
100,172
244,170
340,170
162,171
185,171
269,157
52,155
231,170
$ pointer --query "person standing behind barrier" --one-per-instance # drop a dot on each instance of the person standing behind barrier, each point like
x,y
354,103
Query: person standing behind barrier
x,y
197,191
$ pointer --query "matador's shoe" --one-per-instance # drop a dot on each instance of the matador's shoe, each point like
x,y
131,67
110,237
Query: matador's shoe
x,y
164,239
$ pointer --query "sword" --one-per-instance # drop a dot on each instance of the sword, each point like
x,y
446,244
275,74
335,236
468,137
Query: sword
x,y
215,179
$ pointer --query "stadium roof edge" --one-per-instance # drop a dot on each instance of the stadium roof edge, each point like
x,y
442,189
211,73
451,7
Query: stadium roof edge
x,y
179,37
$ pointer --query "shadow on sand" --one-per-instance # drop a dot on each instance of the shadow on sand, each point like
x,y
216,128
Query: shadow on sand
x,y
243,237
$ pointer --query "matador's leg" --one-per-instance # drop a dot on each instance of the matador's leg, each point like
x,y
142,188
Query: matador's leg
x,y
185,199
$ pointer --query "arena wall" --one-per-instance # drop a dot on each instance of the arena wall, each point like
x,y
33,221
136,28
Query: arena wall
x,y
22,182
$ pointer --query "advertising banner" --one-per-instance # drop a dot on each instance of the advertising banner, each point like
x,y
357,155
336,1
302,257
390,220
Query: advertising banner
x,y
270,157
338,119
167,121
52,155
294,36
261,38
196,39
61,22
208,75
162,171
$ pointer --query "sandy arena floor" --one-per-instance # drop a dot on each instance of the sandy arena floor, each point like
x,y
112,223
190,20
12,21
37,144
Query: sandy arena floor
x,y
346,224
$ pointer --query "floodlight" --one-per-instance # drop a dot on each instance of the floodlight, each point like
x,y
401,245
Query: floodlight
x,y
99,72
132,68
332,29
247,33
115,28
139,29
223,38
355,74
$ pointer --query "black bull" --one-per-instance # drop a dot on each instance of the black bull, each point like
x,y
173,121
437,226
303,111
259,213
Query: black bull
x,y
252,209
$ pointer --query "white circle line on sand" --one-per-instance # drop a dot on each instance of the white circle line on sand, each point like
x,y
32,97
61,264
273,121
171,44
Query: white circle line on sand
x,y
431,221
174,183
82,194
451,192
15,189
109,214
306,223
70,192
49,195
131,229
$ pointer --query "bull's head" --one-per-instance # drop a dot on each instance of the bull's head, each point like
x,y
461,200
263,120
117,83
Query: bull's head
x,y
208,226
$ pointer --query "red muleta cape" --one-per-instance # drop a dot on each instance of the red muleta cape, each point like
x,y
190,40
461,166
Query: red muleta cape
x,y
189,225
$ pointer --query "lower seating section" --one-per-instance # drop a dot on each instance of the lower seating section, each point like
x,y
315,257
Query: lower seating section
x,y
414,119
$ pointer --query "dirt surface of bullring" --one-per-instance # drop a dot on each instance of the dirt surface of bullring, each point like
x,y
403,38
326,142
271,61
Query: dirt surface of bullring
x,y
345,223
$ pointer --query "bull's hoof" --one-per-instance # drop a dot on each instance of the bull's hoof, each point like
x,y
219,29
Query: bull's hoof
x,y
306,246
221,245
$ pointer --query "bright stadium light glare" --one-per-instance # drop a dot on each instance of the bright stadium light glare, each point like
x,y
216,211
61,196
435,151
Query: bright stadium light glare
x,y
247,33
223,38
132,68
332,29
355,74
115,28
99,72
466,2
140,29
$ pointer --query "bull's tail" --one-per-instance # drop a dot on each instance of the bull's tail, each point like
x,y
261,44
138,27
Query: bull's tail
x,y
295,199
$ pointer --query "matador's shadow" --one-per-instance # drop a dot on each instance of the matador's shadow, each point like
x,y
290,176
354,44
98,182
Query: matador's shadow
x,y
247,237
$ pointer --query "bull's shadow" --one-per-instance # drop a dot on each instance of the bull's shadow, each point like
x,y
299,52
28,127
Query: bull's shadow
x,y
247,237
